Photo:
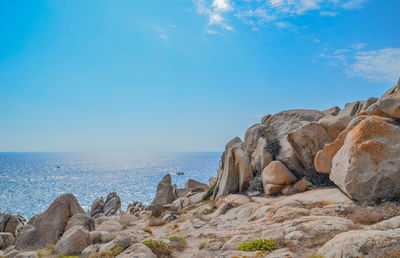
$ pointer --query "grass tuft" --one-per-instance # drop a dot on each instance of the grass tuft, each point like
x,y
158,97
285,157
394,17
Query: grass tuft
x,y
259,245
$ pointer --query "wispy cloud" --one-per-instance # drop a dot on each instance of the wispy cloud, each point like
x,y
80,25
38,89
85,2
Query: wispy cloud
x,y
374,65
259,13
163,33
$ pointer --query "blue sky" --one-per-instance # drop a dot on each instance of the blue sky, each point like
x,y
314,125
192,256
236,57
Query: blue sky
x,y
182,75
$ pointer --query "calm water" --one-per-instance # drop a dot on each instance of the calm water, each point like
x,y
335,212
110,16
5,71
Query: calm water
x,y
29,182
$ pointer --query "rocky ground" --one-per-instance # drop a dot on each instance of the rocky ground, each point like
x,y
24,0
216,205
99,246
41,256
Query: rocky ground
x,y
303,183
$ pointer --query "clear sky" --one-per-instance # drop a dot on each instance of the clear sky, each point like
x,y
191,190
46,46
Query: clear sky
x,y
182,75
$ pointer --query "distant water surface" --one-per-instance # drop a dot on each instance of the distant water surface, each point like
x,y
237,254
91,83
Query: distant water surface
x,y
29,182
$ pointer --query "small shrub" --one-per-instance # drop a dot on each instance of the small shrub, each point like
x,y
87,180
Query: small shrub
x,y
50,248
155,222
148,230
202,245
256,184
159,247
209,192
273,146
179,243
259,245
65,256
207,211
368,215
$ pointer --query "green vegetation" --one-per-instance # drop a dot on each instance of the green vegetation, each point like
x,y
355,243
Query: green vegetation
x,y
159,247
64,256
202,245
179,243
106,254
209,192
259,245
50,248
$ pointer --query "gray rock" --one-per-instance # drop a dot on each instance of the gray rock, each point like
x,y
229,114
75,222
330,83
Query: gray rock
x,y
91,249
165,192
120,241
193,184
11,223
27,255
48,227
82,220
137,251
96,210
112,204
74,241
7,239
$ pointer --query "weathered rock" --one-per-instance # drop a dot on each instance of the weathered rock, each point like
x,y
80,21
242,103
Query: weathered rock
x,y
323,159
82,220
165,192
363,243
100,237
7,239
11,223
283,123
333,111
278,174
388,105
260,157
367,167
237,173
112,204
27,255
91,249
272,189
138,251
74,241
307,140
96,210
110,225
193,184
212,181
252,136
120,241
48,227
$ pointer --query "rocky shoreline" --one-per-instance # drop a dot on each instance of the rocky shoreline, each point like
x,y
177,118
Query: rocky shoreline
x,y
303,183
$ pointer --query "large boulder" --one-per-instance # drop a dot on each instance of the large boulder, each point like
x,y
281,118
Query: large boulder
x,y
137,250
165,192
81,220
282,124
275,176
260,158
96,210
236,169
323,158
252,135
363,243
112,204
48,227
367,166
74,241
193,184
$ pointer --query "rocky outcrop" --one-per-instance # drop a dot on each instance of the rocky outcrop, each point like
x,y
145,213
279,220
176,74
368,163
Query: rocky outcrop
x,y
275,176
48,227
96,210
285,122
165,192
260,157
363,243
236,169
81,220
74,241
6,239
112,204
193,184
367,167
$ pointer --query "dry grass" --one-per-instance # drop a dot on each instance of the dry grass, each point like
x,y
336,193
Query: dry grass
x,y
368,215
202,245
179,243
172,227
148,230
159,248
155,222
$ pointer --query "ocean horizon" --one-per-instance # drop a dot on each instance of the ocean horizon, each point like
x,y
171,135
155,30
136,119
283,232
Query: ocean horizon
x,y
30,181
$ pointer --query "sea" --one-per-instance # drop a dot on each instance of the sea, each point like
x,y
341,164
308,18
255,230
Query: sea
x,y
29,182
